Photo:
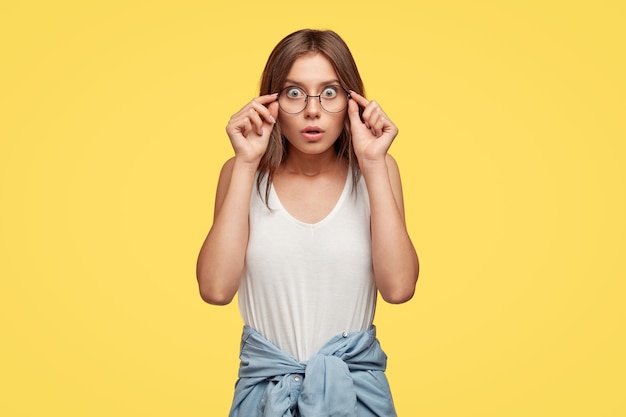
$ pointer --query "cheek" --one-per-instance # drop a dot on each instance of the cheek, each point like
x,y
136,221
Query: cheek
x,y
340,121
284,123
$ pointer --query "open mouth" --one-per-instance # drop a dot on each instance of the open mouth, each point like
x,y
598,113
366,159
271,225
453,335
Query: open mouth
x,y
313,133
313,130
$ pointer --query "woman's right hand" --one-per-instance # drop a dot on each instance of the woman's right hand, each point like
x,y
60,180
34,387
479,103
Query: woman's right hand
x,y
249,129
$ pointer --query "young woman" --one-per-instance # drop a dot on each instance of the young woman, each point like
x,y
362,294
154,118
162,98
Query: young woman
x,y
308,227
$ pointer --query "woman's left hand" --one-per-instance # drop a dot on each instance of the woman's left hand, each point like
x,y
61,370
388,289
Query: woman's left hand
x,y
373,132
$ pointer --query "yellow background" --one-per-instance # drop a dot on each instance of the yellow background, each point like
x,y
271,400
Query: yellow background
x,y
511,146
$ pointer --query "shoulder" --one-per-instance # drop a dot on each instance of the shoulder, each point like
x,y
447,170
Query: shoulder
x,y
227,168
226,175
224,182
226,172
393,171
396,183
392,168
390,159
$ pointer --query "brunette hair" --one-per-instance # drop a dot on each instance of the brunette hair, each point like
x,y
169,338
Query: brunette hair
x,y
279,63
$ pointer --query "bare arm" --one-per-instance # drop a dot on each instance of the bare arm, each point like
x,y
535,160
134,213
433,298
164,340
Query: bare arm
x,y
394,259
222,256
396,267
221,259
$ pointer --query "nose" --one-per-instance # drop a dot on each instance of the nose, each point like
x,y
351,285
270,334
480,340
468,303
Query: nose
x,y
313,106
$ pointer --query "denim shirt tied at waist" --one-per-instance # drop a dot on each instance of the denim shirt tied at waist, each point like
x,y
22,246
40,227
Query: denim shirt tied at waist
x,y
344,379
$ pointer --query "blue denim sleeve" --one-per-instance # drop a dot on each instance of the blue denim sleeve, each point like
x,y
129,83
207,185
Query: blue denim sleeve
x,y
346,378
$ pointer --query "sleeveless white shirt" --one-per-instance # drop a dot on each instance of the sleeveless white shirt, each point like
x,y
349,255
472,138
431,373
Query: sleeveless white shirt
x,y
305,283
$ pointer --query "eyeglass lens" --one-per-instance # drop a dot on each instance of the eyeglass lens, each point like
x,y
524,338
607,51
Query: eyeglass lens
x,y
333,99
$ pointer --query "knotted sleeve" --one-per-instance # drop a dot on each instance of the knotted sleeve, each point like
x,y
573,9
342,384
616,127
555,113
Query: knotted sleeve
x,y
327,389
345,379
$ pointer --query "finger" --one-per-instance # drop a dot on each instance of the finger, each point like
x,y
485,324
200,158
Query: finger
x,y
255,120
376,118
243,126
262,108
353,113
377,122
260,115
267,98
361,101
370,114
384,125
273,111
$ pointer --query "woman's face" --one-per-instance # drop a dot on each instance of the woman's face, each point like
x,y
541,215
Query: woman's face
x,y
313,130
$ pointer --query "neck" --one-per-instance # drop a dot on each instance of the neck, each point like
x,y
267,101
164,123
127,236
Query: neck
x,y
311,165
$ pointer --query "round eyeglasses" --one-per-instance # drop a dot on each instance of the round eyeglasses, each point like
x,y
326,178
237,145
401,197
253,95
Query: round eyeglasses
x,y
333,99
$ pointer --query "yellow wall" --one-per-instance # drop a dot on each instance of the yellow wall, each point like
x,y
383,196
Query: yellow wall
x,y
512,151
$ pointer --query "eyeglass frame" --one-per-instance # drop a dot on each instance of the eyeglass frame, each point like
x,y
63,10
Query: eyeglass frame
x,y
319,98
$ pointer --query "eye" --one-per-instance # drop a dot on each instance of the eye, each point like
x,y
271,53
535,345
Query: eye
x,y
294,92
329,92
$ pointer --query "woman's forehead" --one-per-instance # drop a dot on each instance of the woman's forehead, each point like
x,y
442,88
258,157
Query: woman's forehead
x,y
312,70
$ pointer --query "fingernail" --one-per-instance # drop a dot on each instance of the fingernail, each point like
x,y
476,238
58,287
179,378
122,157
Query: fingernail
x,y
272,119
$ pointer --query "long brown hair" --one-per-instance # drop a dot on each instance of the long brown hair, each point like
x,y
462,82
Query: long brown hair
x,y
279,63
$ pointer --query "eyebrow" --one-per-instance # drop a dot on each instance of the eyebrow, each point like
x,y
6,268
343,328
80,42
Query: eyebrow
x,y
324,83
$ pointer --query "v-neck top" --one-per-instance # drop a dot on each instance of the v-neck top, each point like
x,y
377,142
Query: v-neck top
x,y
344,193
304,283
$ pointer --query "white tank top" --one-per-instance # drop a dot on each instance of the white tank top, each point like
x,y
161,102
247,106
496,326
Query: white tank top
x,y
305,283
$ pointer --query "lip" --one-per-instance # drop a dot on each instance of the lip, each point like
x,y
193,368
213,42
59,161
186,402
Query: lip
x,y
312,133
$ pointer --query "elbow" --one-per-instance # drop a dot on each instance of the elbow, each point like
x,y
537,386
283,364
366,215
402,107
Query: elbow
x,y
214,291
396,279
398,296
218,298
403,287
